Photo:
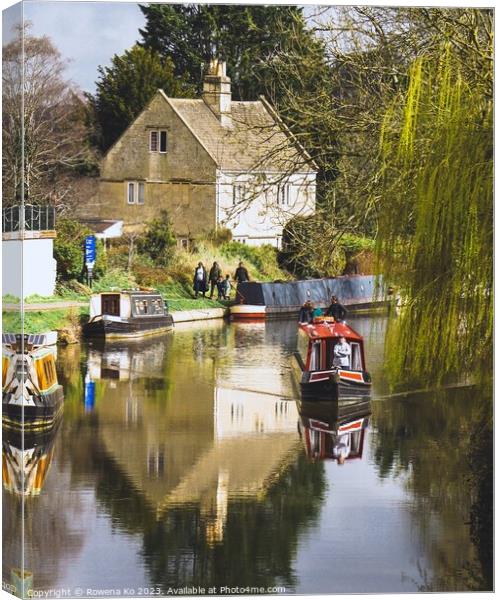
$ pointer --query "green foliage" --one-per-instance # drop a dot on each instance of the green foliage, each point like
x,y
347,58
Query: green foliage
x,y
124,89
263,258
114,279
219,236
246,37
314,247
68,250
438,176
158,241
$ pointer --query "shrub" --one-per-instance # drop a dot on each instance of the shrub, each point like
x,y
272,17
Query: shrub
x,y
114,279
220,236
69,248
158,241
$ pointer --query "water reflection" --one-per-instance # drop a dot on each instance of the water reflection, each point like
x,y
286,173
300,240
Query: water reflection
x,y
187,469
26,461
334,430
51,524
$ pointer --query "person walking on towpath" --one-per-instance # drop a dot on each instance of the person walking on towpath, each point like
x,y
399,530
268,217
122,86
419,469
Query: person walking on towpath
x,y
213,277
200,283
241,274
336,310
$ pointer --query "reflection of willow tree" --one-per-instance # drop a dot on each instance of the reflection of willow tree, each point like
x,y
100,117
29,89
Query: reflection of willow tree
x,y
428,439
260,535
436,226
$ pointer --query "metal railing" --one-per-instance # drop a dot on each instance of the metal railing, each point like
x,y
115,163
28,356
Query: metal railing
x,y
28,218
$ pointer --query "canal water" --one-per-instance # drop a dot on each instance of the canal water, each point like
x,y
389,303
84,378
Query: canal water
x,y
183,462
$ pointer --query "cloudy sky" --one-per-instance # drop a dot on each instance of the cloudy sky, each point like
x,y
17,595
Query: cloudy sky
x,y
86,33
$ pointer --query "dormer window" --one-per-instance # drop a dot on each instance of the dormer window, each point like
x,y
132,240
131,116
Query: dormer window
x,y
158,141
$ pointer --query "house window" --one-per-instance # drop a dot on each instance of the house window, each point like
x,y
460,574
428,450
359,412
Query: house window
x,y
163,141
136,192
153,141
158,141
238,193
131,193
283,196
140,193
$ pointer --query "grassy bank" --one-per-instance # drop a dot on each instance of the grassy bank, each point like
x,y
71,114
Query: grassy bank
x,y
66,320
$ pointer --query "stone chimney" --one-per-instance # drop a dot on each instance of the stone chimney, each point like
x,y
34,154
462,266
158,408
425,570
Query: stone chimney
x,y
217,91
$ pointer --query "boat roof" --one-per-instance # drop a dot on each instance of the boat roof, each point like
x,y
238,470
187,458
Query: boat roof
x,y
138,292
329,329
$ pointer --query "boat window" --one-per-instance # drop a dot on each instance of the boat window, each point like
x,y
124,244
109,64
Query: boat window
x,y
356,364
315,357
141,306
5,369
110,304
157,304
45,372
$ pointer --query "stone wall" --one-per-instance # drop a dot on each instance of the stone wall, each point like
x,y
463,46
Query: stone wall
x,y
182,180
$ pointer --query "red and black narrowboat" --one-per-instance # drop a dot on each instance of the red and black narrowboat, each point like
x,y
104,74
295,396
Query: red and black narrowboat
x,y
315,366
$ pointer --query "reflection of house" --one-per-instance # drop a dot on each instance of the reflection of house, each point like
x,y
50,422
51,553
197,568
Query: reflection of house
x,y
210,162
189,448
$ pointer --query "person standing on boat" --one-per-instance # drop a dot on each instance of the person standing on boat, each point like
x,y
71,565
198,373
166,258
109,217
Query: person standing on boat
x,y
241,275
342,354
306,312
200,280
213,277
336,310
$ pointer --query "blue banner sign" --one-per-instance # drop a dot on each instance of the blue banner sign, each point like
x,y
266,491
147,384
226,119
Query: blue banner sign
x,y
90,250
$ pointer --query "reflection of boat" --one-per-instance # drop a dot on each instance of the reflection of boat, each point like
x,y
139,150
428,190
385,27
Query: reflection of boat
x,y
314,362
334,430
128,314
26,461
122,360
32,397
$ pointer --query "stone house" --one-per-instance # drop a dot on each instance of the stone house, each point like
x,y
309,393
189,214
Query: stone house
x,y
212,163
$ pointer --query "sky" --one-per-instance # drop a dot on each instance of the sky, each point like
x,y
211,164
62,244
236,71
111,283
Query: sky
x,y
88,34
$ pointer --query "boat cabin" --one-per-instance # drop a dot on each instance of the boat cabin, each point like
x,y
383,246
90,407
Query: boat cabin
x,y
127,305
316,342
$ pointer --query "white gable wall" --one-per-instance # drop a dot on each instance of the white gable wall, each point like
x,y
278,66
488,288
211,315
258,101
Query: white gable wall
x,y
257,217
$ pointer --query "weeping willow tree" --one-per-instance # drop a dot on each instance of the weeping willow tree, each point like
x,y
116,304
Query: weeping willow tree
x,y
436,219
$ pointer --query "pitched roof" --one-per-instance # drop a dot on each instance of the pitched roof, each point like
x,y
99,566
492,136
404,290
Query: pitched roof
x,y
256,139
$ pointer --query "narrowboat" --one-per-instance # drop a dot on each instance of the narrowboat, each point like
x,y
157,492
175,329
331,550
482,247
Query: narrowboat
x,y
334,430
127,314
281,299
32,398
314,364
